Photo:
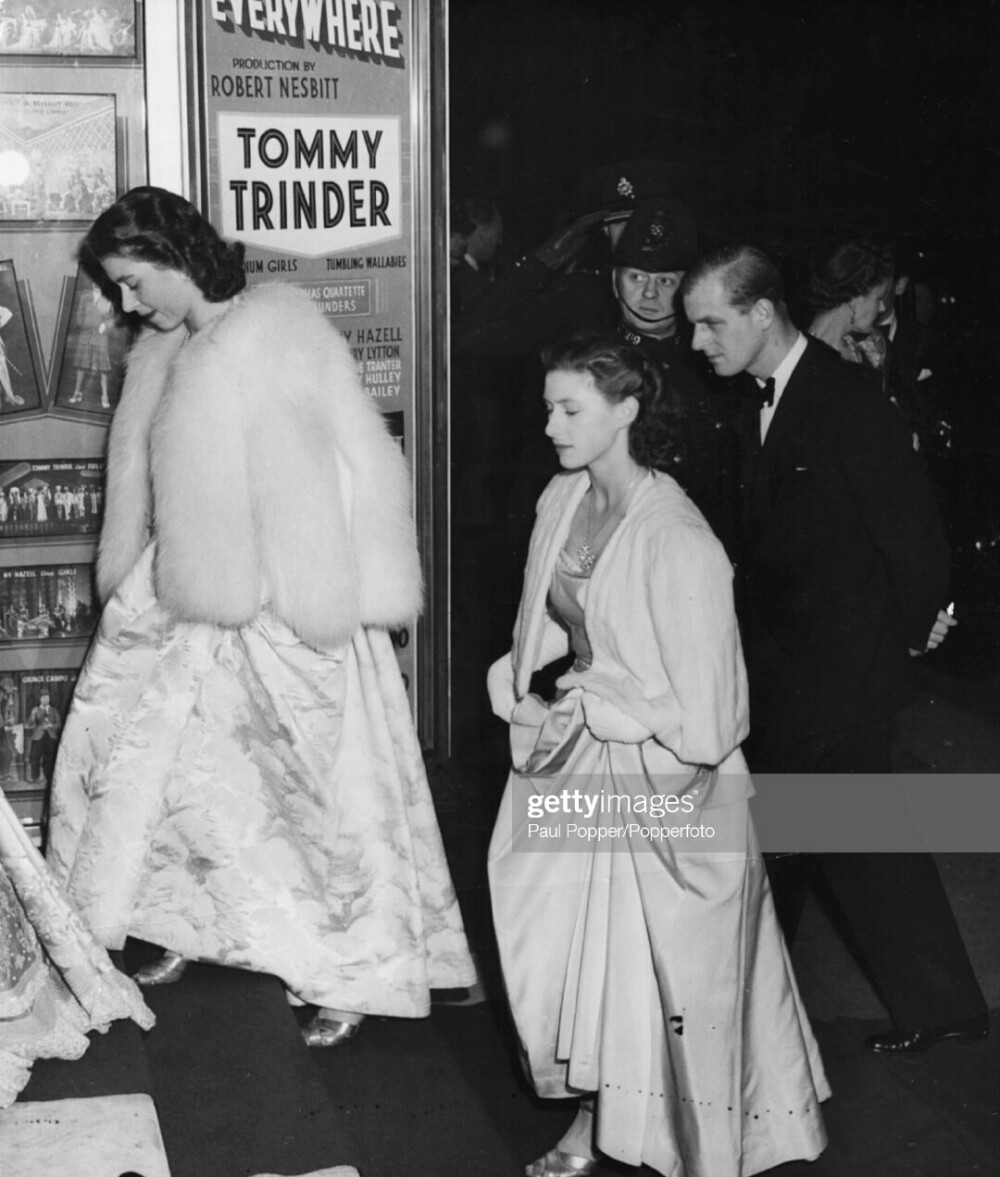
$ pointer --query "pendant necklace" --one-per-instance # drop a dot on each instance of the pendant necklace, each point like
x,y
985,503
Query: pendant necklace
x,y
586,557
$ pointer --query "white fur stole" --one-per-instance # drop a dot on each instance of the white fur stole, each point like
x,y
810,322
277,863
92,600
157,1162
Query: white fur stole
x,y
254,458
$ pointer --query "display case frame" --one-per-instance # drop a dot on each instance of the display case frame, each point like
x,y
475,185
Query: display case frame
x,y
49,437
252,84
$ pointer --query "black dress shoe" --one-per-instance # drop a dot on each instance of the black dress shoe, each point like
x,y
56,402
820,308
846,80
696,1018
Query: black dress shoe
x,y
918,1041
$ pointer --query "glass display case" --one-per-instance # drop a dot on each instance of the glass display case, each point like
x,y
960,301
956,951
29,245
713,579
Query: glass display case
x,y
89,110
72,138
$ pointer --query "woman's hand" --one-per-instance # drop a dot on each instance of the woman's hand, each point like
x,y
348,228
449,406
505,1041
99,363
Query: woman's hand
x,y
530,712
608,722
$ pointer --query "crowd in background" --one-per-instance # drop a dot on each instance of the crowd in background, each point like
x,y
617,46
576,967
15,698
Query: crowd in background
x,y
923,342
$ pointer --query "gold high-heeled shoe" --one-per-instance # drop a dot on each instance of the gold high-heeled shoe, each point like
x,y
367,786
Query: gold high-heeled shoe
x,y
325,1030
165,971
557,1163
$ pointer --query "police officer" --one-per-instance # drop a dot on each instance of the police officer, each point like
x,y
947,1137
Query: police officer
x,y
656,247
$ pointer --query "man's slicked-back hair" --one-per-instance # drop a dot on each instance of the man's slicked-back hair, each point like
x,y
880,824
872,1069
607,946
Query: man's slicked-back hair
x,y
747,274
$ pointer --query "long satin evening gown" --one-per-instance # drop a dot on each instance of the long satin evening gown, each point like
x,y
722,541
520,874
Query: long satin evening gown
x,y
657,979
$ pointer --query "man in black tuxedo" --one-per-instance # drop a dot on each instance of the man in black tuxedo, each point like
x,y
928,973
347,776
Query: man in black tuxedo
x,y
841,579
909,376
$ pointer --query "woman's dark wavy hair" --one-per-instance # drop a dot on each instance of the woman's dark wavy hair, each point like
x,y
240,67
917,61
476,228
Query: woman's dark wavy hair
x,y
620,370
841,271
154,225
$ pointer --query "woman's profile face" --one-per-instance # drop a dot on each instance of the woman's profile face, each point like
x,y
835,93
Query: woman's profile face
x,y
162,296
583,425
868,307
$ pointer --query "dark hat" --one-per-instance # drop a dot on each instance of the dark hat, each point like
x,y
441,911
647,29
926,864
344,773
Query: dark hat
x,y
616,187
659,236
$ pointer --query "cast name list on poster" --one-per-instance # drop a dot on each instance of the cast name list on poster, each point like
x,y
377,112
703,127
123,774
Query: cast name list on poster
x,y
36,573
376,351
366,27
382,377
48,467
396,261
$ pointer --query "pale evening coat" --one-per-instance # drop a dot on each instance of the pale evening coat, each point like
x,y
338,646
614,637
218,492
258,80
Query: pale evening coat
x,y
650,971
239,778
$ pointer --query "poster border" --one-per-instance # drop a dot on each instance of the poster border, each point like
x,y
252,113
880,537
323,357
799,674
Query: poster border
x,y
425,171
431,416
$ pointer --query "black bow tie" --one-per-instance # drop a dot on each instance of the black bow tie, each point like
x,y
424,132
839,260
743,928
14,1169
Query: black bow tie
x,y
763,394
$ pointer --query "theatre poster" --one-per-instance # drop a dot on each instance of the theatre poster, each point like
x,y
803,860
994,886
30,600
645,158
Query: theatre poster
x,y
310,152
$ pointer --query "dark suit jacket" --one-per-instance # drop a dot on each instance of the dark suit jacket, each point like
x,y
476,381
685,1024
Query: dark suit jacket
x,y
846,562
906,356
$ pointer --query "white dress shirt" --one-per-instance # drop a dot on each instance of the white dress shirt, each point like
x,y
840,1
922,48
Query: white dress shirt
x,y
781,376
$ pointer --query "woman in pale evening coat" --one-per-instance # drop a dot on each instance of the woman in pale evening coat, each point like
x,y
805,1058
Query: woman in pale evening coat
x,y
647,975
239,780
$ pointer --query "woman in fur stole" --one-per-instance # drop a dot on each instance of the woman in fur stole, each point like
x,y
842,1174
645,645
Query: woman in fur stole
x,y
645,968
239,779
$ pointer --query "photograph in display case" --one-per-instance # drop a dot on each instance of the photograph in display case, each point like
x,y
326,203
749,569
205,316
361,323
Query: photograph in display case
x,y
58,156
54,498
91,366
20,391
33,705
67,28
12,732
46,603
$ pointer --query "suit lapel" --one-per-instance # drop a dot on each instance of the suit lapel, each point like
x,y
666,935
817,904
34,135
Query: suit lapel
x,y
776,451
782,425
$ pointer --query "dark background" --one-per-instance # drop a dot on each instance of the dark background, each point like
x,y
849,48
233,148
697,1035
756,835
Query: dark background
x,y
787,124
783,118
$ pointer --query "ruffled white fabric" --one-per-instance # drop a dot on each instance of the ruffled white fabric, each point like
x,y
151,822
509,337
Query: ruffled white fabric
x,y
56,982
